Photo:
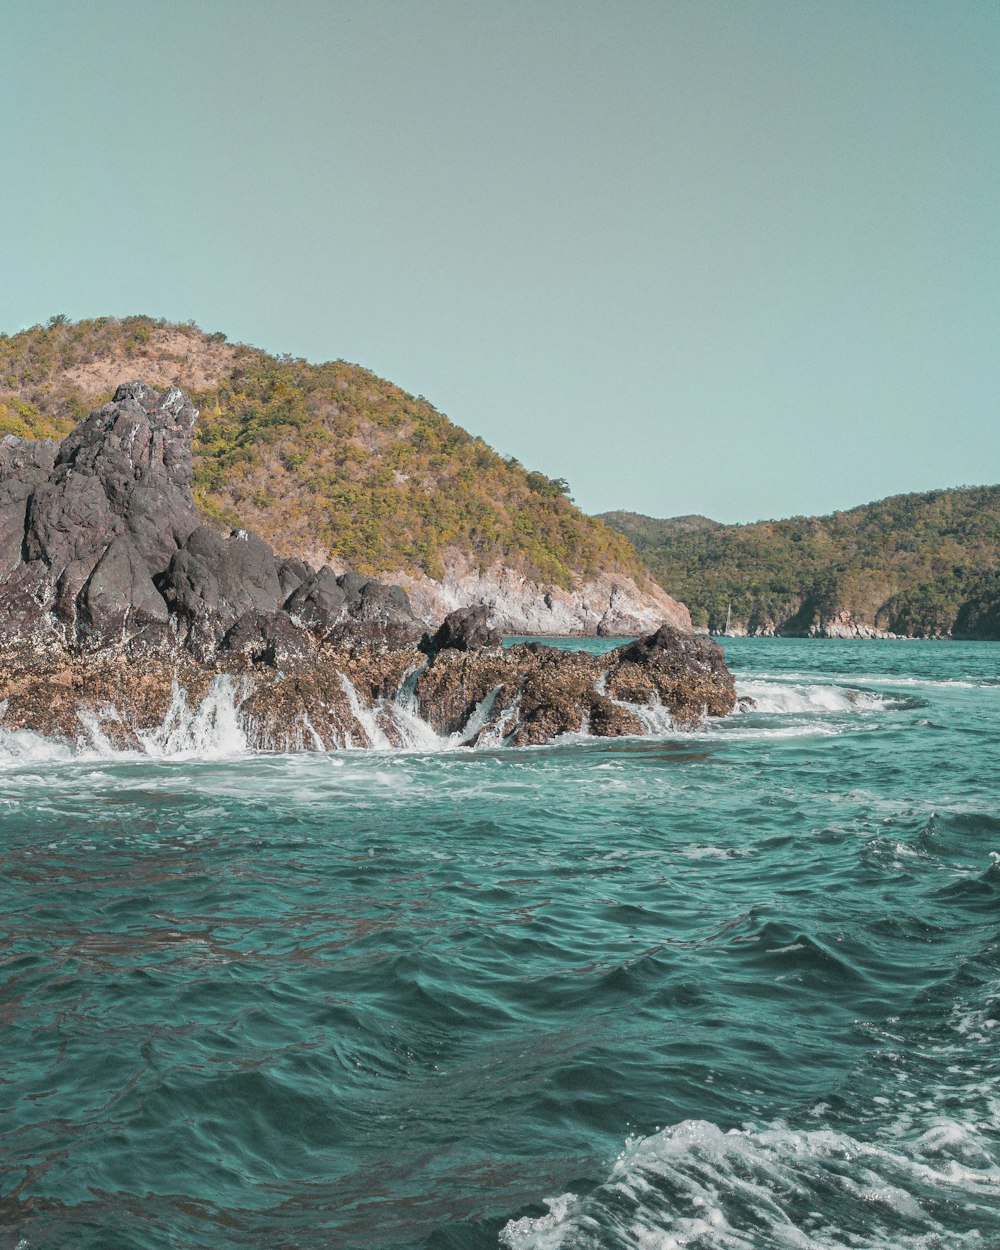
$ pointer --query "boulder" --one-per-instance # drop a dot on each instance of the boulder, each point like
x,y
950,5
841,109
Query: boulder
x,y
319,602
378,616
119,599
465,629
685,673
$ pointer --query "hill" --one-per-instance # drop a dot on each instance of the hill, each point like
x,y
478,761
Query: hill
x,y
335,465
921,565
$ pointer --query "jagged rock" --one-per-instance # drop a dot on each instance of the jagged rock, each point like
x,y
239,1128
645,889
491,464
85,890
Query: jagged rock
x,y
540,691
686,673
291,574
101,544
295,696
125,469
24,465
379,616
465,629
319,602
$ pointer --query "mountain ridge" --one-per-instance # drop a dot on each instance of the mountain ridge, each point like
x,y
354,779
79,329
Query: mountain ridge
x,y
924,564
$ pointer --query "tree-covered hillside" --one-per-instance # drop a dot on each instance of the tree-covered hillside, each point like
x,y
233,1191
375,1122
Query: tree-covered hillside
x,y
924,565
327,461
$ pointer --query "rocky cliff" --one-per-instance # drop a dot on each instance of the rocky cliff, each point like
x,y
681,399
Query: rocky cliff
x,y
119,605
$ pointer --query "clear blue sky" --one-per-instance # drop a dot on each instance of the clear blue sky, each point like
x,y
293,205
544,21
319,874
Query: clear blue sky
x,y
733,258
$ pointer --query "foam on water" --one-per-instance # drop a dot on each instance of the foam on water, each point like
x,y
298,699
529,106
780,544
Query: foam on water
x,y
209,731
695,1186
810,698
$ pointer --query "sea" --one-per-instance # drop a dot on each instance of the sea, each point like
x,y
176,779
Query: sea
x,y
731,989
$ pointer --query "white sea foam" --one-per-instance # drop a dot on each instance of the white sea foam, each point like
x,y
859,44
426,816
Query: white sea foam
x,y
785,699
412,731
694,1186
211,730
889,679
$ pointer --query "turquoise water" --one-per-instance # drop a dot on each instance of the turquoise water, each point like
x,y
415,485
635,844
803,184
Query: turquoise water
x,y
736,989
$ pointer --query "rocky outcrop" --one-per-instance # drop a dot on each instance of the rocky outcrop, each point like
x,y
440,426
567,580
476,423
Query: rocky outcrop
x,y
101,545
465,629
285,698
539,692
120,605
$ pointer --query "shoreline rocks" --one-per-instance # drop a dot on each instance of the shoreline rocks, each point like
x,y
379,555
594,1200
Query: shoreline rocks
x,y
330,698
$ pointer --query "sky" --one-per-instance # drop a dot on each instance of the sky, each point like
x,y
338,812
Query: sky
x,y
733,258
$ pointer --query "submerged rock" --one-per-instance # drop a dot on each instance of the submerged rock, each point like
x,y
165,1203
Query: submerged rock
x,y
120,604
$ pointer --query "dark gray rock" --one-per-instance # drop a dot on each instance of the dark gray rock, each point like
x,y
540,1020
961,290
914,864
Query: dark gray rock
x,y
465,629
266,638
138,448
320,602
24,465
672,648
291,574
213,580
101,544
120,600
123,475
379,616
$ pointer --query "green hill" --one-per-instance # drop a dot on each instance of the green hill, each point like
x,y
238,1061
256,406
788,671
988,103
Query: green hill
x,y
924,565
325,461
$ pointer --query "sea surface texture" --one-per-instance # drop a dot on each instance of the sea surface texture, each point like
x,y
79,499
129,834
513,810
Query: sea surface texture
x,y
729,990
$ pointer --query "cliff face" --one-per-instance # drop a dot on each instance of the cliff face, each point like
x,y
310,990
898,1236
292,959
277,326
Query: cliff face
x,y
606,605
332,465
119,608
921,565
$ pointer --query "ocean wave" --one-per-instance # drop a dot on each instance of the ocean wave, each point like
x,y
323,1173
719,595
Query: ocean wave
x,y
890,680
782,698
695,1185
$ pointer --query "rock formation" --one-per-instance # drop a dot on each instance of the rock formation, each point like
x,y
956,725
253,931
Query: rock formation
x,y
117,602
102,545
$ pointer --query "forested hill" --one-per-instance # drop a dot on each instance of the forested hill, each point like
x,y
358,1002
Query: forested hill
x,y
325,461
923,565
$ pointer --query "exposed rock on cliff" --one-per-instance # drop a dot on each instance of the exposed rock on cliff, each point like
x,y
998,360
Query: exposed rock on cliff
x,y
122,610
607,605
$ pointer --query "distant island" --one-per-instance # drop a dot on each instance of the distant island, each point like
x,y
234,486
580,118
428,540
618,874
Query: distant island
x,y
919,566
333,465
